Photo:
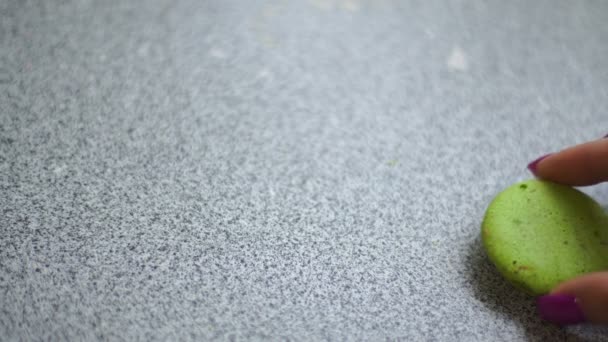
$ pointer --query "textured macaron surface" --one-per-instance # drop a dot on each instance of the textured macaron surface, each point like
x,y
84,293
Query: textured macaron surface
x,y
539,234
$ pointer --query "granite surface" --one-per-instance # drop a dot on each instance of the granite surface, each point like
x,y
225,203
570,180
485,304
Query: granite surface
x,y
284,170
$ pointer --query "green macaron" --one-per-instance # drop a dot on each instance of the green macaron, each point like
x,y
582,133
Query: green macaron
x,y
539,234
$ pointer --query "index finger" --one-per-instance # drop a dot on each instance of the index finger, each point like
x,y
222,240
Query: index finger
x,y
584,164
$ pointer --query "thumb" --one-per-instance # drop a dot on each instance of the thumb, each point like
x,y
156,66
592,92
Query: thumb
x,y
582,299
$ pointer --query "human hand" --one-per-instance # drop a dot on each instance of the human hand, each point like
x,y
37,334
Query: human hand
x,y
585,298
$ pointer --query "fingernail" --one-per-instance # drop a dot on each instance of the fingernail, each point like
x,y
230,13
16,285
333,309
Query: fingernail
x,y
533,166
560,309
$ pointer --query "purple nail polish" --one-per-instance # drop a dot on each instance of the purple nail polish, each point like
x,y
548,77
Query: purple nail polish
x,y
560,309
533,166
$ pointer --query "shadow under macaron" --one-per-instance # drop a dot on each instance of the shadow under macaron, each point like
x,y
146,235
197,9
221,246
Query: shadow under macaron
x,y
497,294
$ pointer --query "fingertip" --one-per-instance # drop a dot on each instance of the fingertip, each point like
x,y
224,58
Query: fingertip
x,y
580,165
560,309
590,294
533,166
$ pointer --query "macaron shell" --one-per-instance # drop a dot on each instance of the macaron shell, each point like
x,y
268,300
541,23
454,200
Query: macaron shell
x,y
539,234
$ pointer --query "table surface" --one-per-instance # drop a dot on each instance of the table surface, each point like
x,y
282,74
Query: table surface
x,y
304,170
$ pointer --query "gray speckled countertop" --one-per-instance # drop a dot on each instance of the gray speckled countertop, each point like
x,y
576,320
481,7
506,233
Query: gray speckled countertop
x,y
302,170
